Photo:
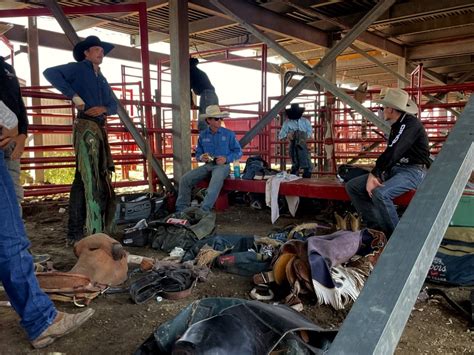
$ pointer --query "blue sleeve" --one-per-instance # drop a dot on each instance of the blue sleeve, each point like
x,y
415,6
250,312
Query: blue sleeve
x,y
284,131
199,148
234,148
58,77
308,128
112,105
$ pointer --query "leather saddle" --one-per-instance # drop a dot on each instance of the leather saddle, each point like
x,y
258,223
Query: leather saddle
x,y
290,268
102,262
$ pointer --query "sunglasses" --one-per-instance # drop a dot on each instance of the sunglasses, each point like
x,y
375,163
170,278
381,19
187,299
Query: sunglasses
x,y
217,118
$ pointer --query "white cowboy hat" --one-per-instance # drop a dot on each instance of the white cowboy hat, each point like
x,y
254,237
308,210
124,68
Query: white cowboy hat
x,y
398,99
214,111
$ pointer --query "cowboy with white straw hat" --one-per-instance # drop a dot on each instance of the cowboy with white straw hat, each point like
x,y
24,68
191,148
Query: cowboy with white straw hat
x,y
213,111
400,168
399,100
217,147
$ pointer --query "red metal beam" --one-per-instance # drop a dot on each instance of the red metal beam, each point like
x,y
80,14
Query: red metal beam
x,y
71,10
43,190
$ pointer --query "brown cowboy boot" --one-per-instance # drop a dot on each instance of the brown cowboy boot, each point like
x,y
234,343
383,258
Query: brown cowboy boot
x,y
64,323
341,223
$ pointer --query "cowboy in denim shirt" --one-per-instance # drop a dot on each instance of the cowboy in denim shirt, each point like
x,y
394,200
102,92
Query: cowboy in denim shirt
x,y
297,130
85,85
217,147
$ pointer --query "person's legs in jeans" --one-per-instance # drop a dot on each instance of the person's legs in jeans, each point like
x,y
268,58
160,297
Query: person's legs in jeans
x,y
307,173
401,180
13,167
294,158
77,210
304,159
33,306
186,184
219,174
356,189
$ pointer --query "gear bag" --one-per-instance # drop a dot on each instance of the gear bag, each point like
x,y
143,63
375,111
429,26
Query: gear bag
x,y
347,172
134,207
453,262
253,165
168,234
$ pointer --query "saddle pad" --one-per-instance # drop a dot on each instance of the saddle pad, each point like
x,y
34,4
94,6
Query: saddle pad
x,y
68,287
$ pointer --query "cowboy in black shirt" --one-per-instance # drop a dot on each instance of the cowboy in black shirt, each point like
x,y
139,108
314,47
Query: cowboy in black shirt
x,y
10,94
400,168
201,85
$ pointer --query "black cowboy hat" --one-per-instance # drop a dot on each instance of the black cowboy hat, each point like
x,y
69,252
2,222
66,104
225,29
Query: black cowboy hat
x,y
91,41
294,112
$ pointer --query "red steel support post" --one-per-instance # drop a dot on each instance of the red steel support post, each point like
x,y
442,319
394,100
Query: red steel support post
x,y
145,56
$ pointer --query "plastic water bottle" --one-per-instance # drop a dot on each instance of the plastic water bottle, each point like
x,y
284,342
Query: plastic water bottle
x,y
236,169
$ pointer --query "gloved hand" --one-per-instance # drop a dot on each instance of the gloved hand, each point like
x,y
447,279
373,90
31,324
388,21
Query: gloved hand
x,y
80,104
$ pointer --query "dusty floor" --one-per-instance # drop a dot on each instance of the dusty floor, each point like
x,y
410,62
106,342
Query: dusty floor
x,y
119,327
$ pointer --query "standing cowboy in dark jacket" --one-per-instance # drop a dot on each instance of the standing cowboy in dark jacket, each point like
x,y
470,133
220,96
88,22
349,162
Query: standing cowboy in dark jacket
x,y
400,168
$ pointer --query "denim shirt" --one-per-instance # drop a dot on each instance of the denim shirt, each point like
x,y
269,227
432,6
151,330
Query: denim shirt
x,y
81,79
222,143
301,124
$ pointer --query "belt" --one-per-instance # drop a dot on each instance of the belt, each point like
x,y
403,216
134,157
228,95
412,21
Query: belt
x,y
99,120
421,166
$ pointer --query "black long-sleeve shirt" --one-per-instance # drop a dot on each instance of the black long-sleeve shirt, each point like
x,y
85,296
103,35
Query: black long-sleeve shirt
x,y
10,94
199,81
407,144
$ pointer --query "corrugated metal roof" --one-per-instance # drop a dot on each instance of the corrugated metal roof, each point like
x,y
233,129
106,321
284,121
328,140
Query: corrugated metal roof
x,y
389,27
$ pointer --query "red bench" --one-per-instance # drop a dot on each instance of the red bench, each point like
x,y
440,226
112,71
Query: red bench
x,y
326,189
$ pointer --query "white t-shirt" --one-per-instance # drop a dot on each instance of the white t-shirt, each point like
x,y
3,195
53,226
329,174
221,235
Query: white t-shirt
x,y
8,118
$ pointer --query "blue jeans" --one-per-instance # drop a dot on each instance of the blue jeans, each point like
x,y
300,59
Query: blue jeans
x,y
379,212
300,156
13,167
218,174
17,275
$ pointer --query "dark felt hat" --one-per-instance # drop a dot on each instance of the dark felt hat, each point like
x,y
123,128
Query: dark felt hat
x,y
91,41
294,112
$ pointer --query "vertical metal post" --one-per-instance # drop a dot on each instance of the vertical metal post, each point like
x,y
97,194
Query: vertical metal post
x,y
33,57
145,58
159,117
402,71
376,321
180,87
263,97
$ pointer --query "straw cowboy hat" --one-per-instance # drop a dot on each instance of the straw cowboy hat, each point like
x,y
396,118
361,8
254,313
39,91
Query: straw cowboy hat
x,y
294,112
398,99
214,111
91,41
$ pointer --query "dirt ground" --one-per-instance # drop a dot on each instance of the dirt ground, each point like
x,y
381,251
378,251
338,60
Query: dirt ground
x,y
119,326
